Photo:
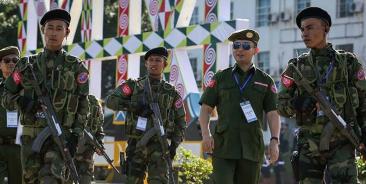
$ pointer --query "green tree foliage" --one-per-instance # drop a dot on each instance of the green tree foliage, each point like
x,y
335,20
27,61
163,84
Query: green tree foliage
x,y
9,18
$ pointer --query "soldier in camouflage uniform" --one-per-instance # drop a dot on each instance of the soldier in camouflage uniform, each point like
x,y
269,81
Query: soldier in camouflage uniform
x,y
130,97
338,75
84,160
65,80
10,165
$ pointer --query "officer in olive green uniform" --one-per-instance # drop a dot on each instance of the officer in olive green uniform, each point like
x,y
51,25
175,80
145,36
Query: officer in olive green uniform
x,y
130,97
64,79
240,93
84,160
339,76
10,165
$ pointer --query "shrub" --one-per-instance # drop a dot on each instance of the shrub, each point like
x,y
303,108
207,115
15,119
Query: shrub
x,y
191,168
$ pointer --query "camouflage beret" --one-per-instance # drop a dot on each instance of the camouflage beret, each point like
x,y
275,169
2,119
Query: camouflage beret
x,y
9,50
313,12
245,34
160,51
56,14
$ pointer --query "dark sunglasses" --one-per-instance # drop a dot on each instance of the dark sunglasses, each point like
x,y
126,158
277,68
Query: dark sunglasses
x,y
8,60
244,45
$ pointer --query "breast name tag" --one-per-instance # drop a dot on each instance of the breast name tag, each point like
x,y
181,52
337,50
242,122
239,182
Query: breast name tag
x,y
11,119
248,111
141,123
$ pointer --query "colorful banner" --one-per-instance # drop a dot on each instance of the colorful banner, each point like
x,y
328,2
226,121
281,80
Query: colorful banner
x,y
211,13
209,64
123,17
122,64
22,26
86,20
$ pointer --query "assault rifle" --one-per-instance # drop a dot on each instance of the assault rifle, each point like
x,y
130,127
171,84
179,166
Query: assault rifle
x,y
158,128
336,120
100,147
54,126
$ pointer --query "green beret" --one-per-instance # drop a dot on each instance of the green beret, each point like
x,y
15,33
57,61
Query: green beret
x,y
56,14
313,12
245,34
9,50
160,51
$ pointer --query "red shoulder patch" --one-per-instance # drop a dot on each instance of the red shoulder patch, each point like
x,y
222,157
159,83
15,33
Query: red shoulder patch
x,y
82,77
273,88
17,77
361,74
286,81
211,84
127,91
179,103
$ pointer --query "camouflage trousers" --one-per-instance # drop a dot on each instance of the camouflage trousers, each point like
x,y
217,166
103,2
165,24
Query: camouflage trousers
x,y
148,158
338,162
10,165
85,163
45,167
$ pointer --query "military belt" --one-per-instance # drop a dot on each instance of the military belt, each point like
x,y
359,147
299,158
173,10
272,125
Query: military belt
x,y
7,140
31,130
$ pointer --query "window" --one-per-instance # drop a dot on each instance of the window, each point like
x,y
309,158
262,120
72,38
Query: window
x,y
302,4
197,72
263,61
231,10
345,47
298,52
344,8
195,17
262,12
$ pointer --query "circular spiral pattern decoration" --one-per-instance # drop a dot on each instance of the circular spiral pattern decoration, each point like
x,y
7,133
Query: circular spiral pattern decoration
x,y
180,89
122,65
210,56
211,3
173,73
211,17
207,78
123,21
123,3
154,7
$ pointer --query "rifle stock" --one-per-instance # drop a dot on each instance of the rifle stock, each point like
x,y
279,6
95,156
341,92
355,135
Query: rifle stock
x,y
331,112
159,129
54,126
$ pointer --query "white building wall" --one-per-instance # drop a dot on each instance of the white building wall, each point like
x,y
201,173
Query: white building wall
x,y
282,37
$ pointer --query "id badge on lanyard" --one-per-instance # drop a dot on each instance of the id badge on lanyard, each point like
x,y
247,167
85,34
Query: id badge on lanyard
x,y
248,111
11,119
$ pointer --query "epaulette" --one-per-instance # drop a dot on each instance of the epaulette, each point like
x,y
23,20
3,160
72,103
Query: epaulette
x,y
168,86
71,59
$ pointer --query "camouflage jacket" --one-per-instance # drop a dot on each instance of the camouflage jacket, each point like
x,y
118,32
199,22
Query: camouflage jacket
x,y
127,95
343,82
62,77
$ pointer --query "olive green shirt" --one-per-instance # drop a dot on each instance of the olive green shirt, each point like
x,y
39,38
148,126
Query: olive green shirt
x,y
234,137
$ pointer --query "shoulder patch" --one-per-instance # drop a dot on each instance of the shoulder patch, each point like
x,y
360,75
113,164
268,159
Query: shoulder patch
x,y
273,88
70,58
287,81
179,103
126,89
211,83
17,77
82,77
360,74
